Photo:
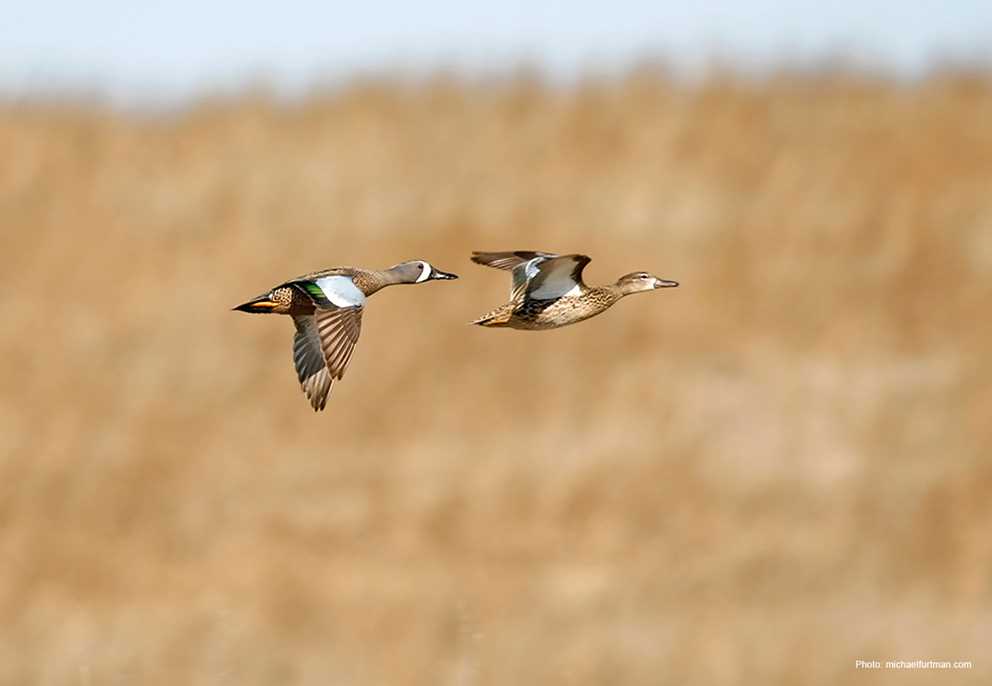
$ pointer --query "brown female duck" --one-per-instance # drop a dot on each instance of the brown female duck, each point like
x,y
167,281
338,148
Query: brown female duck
x,y
548,291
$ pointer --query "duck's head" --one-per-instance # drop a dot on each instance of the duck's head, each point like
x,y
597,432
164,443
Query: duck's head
x,y
635,282
419,271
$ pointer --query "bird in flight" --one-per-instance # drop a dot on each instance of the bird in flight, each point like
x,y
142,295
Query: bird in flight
x,y
326,307
548,291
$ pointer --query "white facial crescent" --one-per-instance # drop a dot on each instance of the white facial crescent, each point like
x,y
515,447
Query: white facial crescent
x,y
425,274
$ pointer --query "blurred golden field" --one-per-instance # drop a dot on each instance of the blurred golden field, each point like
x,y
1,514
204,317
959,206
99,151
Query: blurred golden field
x,y
779,468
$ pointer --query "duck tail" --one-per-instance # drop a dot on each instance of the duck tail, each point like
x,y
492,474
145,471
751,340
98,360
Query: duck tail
x,y
498,317
261,304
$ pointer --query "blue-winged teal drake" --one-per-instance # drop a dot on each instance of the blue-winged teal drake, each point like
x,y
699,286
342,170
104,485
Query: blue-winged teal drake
x,y
548,290
327,307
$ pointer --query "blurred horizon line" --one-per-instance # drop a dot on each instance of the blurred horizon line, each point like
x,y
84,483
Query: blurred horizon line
x,y
119,94
171,54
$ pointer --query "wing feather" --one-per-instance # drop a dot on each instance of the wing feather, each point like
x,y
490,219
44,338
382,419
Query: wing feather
x,y
311,368
508,260
322,349
524,264
557,276
339,329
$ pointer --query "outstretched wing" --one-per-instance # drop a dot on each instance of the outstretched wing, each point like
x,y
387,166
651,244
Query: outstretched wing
x,y
557,276
508,260
322,348
308,356
523,264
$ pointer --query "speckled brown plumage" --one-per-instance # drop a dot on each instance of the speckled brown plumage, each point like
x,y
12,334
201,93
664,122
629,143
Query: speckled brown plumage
x,y
539,314
327,312
548,291
367,280
290,300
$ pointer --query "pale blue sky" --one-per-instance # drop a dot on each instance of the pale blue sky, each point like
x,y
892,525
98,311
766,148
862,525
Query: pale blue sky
x,y
168,50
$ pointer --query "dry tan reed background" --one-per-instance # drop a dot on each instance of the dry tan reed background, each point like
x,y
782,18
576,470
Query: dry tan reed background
x,y
760,477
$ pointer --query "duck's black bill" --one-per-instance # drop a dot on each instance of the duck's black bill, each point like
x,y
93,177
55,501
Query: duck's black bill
x,y
258,305
444,276
662,283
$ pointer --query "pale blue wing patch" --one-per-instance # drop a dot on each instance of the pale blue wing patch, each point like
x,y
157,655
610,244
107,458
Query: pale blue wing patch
x,y
523,273
341,291
557,278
